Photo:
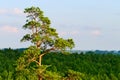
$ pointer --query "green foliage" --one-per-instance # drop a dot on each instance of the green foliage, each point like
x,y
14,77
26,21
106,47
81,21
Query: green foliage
x,y
93,66
63,44
8,59
52,76
42,35
88,66
74,75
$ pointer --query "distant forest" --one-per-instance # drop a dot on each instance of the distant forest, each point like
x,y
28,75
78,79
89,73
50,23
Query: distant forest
x,y
72,66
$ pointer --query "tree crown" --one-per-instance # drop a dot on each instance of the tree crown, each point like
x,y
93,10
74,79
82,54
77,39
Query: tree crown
x,y
42,35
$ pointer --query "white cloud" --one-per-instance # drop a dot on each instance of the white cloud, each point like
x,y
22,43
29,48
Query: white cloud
x,y
62,33
96,32
9,29
11,11
17,11
91,28
2,11
73,33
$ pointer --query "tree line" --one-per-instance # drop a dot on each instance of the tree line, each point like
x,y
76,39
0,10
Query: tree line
x,y
74,66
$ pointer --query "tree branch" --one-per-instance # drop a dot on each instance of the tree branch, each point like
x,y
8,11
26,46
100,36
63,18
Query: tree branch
x,y
48,50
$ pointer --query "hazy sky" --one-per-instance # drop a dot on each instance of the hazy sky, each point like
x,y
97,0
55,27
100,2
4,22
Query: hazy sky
x,y
93,24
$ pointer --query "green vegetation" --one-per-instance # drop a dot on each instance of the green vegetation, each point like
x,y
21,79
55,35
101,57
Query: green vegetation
x,y
88,66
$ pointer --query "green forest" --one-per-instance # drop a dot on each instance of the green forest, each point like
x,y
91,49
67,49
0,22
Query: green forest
x,y
72,66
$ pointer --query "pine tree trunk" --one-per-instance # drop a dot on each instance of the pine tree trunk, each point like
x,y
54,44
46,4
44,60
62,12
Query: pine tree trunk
x,y
40,60
39,77
40,64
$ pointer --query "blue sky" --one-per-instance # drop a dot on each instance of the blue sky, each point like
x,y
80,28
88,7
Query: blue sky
x,y
93,24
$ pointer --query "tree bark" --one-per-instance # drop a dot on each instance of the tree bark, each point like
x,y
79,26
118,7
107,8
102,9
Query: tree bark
x,y
40,60
39,77
38,44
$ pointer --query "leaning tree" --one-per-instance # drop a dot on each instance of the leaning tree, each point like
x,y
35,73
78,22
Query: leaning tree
x,y
44,39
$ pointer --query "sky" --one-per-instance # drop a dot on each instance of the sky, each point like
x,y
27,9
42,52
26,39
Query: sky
x,y
92,24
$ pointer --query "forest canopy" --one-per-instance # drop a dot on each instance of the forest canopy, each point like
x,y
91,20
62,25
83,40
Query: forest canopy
x,y
87,66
